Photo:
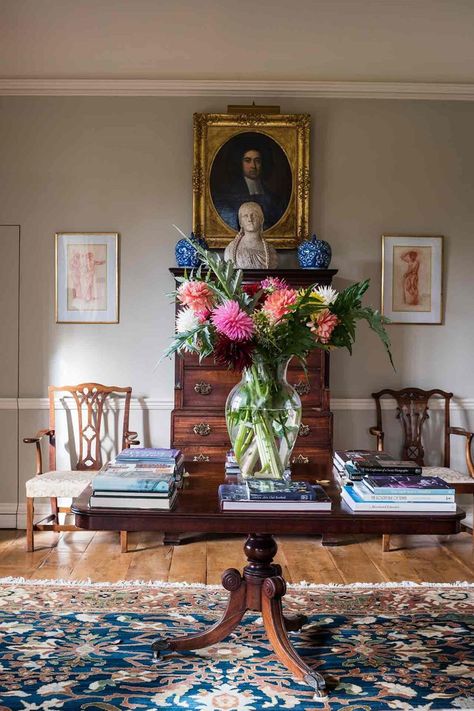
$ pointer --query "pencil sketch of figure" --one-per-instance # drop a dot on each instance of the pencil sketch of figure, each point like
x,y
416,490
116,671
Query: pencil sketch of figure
x,y
87,277
75,266
410,278
90,276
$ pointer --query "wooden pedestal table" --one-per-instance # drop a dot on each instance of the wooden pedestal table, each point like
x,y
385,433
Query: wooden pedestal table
x,y
261,586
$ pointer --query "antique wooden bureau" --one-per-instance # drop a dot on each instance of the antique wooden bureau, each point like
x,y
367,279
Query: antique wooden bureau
x,y
198,424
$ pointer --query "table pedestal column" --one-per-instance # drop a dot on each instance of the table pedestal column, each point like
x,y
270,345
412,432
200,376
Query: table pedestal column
x,y
259,588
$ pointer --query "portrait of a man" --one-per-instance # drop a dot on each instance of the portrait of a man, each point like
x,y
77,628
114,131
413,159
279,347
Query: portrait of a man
x,y
250,166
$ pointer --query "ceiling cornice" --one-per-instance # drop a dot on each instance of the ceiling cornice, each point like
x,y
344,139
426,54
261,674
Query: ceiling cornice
x,y
237,88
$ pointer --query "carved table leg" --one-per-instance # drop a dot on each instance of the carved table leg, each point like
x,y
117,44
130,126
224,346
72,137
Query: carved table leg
x,y
260,588
235,610
275,625
293,623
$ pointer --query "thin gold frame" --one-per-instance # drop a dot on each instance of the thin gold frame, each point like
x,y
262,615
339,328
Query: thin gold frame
x,y
291,132
417,323
57,236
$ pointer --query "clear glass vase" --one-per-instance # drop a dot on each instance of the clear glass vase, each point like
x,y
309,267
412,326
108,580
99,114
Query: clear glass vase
x,y
263,415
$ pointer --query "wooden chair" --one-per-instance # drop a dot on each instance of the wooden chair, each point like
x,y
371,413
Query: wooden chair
x,y
412,410
89,400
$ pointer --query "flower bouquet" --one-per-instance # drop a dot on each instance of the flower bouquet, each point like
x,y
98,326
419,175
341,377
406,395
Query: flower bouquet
x,y
257,329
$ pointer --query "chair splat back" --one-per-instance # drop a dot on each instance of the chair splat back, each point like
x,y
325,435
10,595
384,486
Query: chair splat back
x,y
413,410
89,399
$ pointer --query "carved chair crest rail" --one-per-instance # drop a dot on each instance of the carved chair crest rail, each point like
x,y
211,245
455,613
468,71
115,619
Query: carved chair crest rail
x,y
90,401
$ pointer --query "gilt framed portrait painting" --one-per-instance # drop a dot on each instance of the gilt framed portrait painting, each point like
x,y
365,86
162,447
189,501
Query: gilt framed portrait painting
x,y
412,279
262,158
86,277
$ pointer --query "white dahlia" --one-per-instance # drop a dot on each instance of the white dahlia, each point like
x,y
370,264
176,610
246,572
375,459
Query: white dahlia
x,y
327,294
186,320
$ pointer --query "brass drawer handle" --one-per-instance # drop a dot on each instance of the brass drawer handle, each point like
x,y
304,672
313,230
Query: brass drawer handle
x,y
201,458
203,388
304,430
202,429
302,387
300,459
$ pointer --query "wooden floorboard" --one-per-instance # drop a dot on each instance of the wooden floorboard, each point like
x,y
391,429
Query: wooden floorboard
x,y
84,555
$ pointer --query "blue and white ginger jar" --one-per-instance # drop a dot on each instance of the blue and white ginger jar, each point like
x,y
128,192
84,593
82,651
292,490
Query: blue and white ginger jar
x,y
314,253
186,255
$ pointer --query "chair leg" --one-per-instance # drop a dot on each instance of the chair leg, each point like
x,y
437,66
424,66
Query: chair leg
x,y
30,512
386,542
124,541
54,508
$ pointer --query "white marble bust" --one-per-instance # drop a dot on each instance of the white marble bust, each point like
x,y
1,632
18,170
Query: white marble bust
x,y
249,250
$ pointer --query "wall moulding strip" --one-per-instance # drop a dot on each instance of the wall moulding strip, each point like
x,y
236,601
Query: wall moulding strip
x,y
237,88
149,404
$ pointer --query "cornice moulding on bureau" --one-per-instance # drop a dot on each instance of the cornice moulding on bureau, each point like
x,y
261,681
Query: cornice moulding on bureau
x,y
149,404
434,91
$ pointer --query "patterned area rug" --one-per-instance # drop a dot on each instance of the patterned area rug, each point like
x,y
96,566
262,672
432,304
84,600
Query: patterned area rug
x,y
87,647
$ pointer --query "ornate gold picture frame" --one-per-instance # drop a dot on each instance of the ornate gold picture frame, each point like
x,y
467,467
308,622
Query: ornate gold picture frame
x,y
254,157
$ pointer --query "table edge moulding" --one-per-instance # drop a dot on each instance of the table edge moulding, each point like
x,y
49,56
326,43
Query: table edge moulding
x,y
198,424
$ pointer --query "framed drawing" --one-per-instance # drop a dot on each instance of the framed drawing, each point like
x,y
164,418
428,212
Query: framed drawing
x,y
86,277
412,269
255,157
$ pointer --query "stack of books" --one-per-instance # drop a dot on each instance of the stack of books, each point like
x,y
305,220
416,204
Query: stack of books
x,y
403,493
354,465
139,479
273,495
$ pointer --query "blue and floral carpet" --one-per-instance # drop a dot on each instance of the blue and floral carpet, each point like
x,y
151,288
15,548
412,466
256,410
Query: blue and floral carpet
x,y
88,647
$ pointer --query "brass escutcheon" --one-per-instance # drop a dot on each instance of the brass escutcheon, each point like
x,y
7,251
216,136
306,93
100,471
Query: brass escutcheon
x,y
302,387
202,429
203,388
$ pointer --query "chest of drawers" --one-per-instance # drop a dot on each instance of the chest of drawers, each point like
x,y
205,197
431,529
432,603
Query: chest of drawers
x,y
198,422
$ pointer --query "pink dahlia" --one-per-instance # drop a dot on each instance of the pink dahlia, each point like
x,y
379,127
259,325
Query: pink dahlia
x,y
202,316
324,325
234,323
196,294
278,303
273,284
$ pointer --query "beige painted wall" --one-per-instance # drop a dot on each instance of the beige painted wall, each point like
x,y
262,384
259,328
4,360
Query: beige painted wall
x,y
124,164
366,40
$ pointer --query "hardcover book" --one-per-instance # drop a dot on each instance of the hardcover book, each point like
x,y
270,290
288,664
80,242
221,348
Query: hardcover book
x,y
155,454
133,494
408,485
357,503
373,465
272,490
118,502
420,495
235,497
132,481
139,468
354,456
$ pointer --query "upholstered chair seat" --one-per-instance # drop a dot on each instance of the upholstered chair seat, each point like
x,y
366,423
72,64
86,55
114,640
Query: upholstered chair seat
x,y
59,483
451,476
